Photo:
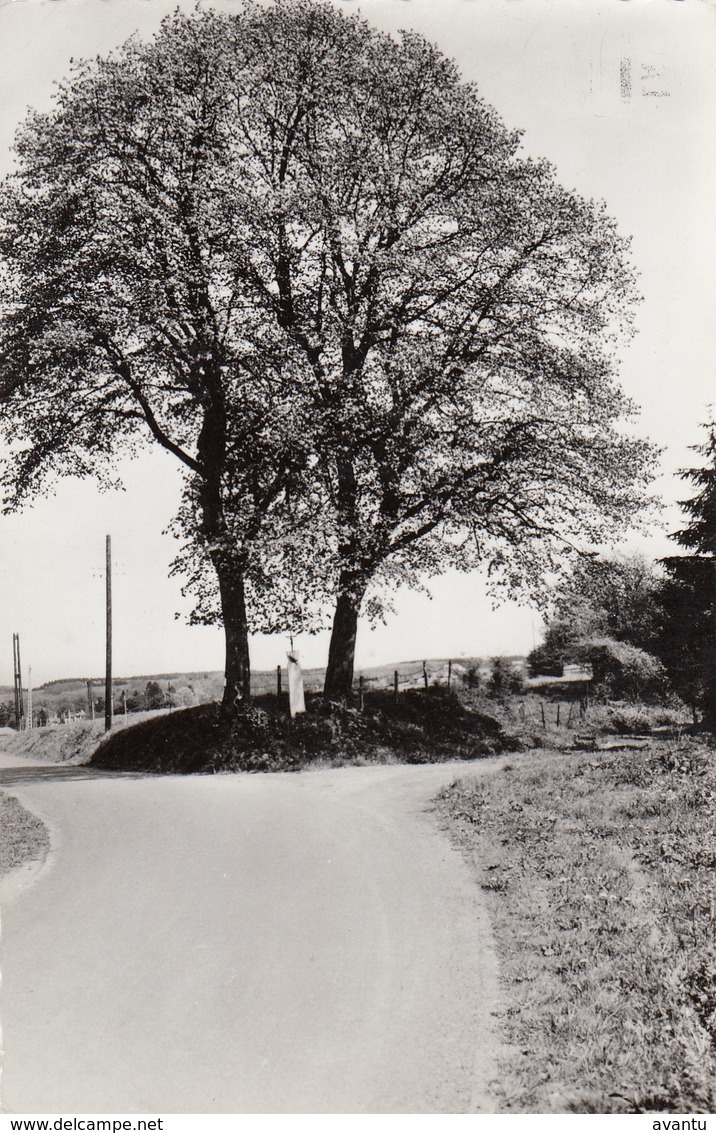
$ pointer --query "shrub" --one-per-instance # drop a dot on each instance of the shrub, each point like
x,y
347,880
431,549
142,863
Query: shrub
x,y
623,670
504,679
471,677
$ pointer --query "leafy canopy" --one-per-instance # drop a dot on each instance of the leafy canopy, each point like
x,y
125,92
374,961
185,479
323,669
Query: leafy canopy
x,y
309,260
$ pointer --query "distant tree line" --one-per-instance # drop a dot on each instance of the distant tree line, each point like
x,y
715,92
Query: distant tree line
x,y
55,703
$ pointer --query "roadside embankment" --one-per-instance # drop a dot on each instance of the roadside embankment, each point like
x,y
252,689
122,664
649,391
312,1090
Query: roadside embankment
x,y
74,741
56,743
23,837
598,871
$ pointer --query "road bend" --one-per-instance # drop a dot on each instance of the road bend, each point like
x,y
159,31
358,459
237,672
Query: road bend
x,y
287,943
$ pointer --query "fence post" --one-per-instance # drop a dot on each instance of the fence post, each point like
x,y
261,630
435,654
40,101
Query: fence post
x,y
395,684
449,674
278,680
544,722
558,708
425,675
360,692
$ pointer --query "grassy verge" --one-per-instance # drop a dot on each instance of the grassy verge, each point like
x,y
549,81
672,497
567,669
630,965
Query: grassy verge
x,y
415,727
23,837
57,743
599,871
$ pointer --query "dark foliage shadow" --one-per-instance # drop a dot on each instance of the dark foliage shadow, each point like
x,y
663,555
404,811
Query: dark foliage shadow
x,y
77,773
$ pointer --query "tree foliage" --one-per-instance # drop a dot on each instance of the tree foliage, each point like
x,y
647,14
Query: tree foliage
x,y
607,615
611,599
124,320
308,260
449,302
687,642
154,696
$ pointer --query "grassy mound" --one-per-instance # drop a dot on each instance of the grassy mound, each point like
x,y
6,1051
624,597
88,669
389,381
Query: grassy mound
x,y
416,727
23,837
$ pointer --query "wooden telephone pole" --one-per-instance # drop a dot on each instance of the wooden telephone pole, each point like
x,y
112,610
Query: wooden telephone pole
x,y
28,723
17,677
108,652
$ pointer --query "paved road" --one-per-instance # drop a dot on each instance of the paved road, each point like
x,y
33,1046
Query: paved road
x,y
244,944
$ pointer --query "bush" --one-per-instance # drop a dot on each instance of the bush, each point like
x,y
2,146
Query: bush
x,y
623,670
628,720
504,679
471,678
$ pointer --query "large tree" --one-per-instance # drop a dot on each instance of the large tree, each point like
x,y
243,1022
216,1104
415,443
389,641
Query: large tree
x,y
284,227
122,319
452,304
687,643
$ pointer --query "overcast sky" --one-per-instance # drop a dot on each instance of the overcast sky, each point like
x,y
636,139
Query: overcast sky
x,y
620,97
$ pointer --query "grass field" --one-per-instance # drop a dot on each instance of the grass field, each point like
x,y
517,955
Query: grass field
x,y
599,873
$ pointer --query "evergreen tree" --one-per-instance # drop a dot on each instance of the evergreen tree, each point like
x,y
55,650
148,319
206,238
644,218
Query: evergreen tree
x,y
153,695
687,643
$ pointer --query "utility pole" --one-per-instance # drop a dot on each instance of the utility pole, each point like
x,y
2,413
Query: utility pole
x,y
29,697
90,701
17,679
108,652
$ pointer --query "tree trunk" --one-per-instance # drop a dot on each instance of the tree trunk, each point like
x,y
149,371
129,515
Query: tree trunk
x,y
341,654
237,670
227,564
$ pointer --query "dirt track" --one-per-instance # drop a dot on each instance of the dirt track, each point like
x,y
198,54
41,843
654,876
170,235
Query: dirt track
x,y
245,944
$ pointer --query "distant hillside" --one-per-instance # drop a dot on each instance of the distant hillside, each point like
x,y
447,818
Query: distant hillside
x,y
66,698
65,684
260,676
